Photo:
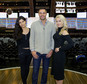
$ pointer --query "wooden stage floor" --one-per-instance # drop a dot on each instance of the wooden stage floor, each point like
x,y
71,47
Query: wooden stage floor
x,y
12,76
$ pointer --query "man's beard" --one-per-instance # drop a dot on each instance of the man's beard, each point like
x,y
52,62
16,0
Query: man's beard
x,y
42,18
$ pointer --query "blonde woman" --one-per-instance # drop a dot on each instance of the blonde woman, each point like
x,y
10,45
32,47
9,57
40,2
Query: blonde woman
x,y
60,37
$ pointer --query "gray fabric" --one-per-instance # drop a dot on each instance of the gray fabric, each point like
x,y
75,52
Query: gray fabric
x,y
41,37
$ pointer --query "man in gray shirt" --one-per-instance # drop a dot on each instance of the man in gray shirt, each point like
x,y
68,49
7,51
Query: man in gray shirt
x,y
41,45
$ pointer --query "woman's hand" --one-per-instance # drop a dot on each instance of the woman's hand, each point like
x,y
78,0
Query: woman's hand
x,y
57,49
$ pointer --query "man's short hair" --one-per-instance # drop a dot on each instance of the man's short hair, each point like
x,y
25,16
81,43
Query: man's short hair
x,y
41,9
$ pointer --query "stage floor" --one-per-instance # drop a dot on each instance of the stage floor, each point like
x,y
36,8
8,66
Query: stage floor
x,y
12,76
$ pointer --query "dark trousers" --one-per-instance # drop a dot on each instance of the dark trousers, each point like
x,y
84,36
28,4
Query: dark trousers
x,y
25,59
36,65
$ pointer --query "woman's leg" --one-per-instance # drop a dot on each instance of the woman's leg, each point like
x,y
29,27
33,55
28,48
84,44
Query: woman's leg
x,y
27,64
59,81
23,69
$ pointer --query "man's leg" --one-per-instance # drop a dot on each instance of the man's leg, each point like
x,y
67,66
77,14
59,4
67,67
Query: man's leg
x,y
36,65
45,69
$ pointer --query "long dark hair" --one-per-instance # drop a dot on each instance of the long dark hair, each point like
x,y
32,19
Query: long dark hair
x,y
18,30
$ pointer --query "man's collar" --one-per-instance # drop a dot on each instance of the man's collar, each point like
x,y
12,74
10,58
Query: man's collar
x,y
45,22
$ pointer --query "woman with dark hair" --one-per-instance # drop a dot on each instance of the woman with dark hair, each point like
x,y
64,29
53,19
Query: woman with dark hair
x,y
22,35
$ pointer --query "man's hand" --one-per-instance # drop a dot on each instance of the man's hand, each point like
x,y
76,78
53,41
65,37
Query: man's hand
x,y
49,54
34,54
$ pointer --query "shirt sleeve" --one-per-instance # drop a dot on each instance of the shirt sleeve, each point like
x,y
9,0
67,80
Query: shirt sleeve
x,y
52,40
67,46
32,38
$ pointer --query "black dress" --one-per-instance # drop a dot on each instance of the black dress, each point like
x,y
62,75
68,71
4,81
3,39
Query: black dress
x,y
59,57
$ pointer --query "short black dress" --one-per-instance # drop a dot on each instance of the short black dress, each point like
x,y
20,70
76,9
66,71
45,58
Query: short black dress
x,y
59,57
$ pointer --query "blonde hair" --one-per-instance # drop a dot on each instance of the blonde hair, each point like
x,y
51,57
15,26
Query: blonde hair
x,y
63,19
